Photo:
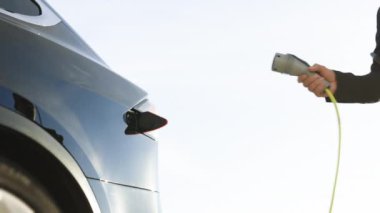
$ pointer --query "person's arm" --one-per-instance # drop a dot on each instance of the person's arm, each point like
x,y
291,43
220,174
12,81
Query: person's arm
x,y
347,87
358,89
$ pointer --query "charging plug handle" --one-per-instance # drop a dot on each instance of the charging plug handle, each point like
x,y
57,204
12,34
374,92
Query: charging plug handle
x,y
292,65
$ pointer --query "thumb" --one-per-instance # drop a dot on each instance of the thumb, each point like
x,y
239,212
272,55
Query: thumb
x,y
322,71
317,68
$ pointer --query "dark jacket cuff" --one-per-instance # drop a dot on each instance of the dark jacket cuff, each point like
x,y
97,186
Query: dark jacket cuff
x,y
357,89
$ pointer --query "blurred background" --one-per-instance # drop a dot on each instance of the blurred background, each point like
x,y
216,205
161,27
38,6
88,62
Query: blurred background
x,y
242,138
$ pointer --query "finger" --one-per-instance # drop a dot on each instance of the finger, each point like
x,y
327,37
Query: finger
x,y
302,78
314,85
318,87
309,80
314,68
323,71
320,90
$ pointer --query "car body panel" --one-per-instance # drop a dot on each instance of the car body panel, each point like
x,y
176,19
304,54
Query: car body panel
x,y
125,199
79,102
16,122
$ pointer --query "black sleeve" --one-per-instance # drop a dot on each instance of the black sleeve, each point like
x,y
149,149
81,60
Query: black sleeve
x,y
358,89
361,89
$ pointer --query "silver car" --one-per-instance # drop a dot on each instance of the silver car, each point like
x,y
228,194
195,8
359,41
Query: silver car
x,y
74,136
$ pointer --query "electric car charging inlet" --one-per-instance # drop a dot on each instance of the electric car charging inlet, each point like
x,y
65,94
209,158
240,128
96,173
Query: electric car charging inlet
x,y
292,65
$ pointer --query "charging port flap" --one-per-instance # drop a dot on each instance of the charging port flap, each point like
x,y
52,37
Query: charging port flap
x,y
142,122
142,119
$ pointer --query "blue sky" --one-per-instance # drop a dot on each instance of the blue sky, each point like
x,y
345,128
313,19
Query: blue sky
x,y
242,138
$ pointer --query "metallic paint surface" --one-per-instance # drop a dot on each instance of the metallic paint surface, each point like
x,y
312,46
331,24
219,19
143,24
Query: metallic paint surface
x,y
26,127
47,17
122,199
80,98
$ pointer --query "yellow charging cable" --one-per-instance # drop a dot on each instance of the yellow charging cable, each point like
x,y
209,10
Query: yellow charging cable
x,y
332,98
292,65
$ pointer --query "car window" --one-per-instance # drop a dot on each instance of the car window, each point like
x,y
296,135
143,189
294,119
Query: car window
x,y
24,7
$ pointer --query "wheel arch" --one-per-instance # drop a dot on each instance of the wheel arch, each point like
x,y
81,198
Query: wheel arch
x,y
40,154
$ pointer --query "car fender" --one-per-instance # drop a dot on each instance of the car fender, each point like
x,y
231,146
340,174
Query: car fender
x,y
29,129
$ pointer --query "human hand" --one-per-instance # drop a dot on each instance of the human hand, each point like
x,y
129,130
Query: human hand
x,y
315,83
